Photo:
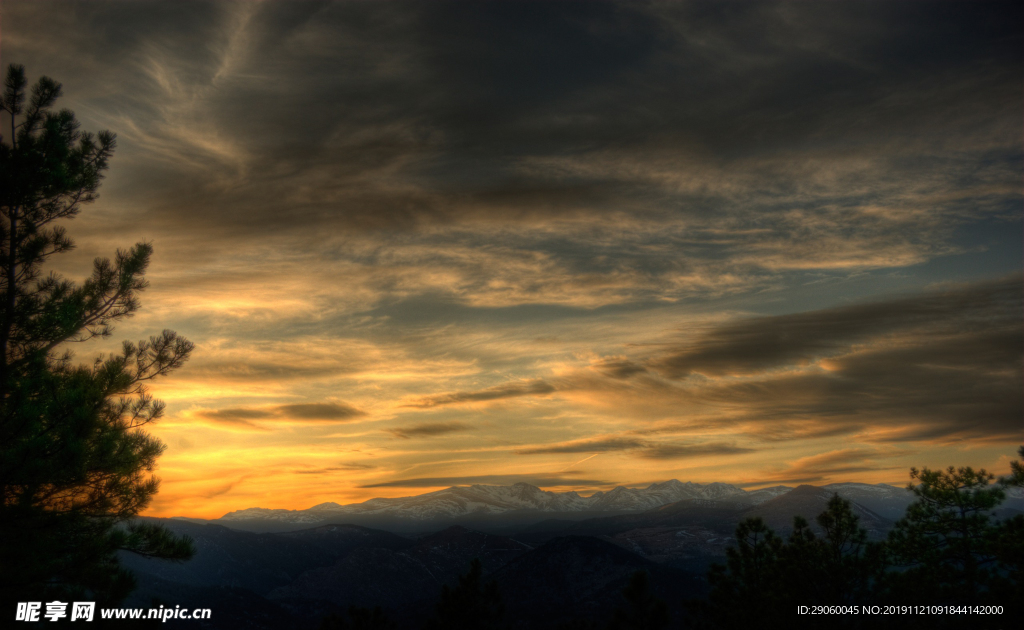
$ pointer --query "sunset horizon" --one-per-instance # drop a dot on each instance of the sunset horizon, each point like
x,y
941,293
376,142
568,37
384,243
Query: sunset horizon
x,y
574,245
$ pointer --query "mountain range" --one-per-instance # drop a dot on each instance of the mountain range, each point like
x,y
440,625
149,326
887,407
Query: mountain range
x,y
525,500
568,555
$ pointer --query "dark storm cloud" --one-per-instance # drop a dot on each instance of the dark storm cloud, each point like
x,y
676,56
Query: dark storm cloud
x,y
432,102
429,429
763,343
496,480
405,115
969,386
511,390
936,366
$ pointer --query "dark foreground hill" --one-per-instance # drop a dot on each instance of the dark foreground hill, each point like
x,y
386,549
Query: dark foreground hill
x,y
258,562
291,581
581,577
553,571
233,572
718,515
407,581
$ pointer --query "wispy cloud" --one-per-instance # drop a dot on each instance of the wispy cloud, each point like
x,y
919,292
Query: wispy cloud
x,y
645,448
221,489
305,412
678,451
511,390
832,465
760,344
428,429
541,480
334,469
319,411
588,445
914,365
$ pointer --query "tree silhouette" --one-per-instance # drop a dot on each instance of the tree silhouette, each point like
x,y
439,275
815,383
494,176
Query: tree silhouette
x,y
74,456
765,579
947,538
742,591
1009,544
1016,477
839,568
947,549
472,605
643,611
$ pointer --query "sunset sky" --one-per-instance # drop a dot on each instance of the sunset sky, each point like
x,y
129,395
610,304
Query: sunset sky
x,y
579,244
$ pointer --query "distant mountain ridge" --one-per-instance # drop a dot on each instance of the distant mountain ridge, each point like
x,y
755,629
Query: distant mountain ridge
x,y
565,564
483,500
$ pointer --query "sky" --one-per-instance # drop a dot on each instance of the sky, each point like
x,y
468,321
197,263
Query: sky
x,y
579,244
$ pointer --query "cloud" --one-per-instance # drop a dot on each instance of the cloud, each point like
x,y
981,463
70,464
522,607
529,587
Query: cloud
x,y
679,451
511,390
588,445
228,415
238,418
929,388
759,344
438,151
937,366
306,412
648,449
255,371
319,411
333,469
619,367
823,466
541,480
222,489
452,206
429,429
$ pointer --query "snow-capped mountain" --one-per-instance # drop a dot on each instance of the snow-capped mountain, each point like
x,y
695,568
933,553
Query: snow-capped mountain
x,y
524,499
482,500
758,497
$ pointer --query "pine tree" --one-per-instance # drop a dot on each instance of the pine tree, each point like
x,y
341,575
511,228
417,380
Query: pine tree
x,y
75,460
947,538
1008,584
766,578
1016,477
844,566
743,591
